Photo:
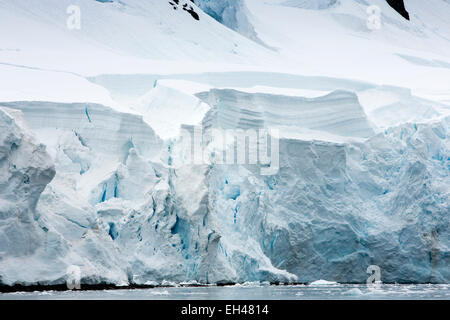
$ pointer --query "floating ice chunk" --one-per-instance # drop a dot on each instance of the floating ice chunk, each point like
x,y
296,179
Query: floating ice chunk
x,y
323,283
354,292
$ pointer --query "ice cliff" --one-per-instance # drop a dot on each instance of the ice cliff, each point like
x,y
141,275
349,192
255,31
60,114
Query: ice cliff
x,y
92,136
118,207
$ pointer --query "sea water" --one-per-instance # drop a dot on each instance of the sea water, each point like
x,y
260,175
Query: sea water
x,y
252,292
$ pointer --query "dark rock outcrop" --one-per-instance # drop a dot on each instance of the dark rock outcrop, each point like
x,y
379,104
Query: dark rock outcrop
x,y
399,6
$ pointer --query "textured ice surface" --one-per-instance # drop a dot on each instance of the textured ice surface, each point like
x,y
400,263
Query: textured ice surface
x,y
364,166
332,210
184,108
232,13
327,211
337,113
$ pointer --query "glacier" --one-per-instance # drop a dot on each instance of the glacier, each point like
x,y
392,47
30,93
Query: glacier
x,y
93,171
324,215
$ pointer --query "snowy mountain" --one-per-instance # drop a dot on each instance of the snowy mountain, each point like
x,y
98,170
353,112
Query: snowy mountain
x,y
99,98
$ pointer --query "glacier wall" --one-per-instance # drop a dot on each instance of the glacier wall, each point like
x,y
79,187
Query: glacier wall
x,y
364,169
117,210
336,113
120,209
335,208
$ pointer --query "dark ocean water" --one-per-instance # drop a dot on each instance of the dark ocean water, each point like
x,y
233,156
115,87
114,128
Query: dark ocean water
x,y
251,292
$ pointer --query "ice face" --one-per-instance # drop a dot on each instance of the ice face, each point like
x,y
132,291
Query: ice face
x,y
331,210
26,169
331,206
335,208
337,113
363,173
